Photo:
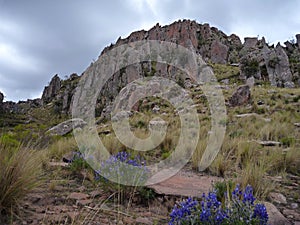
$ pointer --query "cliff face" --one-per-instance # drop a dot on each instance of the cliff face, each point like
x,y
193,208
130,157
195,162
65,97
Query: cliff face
x,y
277,65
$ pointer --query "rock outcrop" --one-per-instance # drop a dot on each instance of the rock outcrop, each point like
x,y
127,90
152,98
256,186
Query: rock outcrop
x,y
298,40
258,62
1,97
52,89
60,93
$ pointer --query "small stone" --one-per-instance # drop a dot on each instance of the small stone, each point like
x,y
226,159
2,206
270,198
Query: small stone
x,y
143,220
268,143
294,206
95,193
34,198
250,81
78,196
84,202
73,215
277,198
291,214
156,109
225,81
128,220
40,210
260,102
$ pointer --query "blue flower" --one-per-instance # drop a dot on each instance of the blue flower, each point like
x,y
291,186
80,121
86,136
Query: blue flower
x,y
248,195
183,211
260,212
241,210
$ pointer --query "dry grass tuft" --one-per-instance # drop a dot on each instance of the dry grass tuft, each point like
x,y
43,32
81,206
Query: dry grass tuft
x,y
20,172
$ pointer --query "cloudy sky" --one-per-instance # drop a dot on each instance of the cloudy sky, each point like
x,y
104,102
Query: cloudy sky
x,y
41,38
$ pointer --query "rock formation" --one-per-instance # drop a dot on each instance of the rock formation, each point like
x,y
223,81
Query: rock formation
x,y
298,40
52,89
1,97
278,66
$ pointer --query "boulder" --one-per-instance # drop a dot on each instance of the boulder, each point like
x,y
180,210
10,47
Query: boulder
x,y
242,96
275,217
67,126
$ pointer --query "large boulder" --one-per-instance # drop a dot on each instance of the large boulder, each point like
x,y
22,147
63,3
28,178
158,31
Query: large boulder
x,y
275,217
241,96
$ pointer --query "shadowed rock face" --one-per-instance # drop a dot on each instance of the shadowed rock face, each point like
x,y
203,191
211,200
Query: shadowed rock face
x,y
298,40
1,97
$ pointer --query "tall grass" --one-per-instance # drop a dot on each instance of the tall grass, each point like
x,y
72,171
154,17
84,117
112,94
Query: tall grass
x,y
20,172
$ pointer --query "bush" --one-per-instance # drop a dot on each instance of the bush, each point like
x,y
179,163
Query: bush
x,y
239,209
20,172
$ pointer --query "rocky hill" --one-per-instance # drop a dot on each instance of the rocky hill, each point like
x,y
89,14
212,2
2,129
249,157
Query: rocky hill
x,y
257,60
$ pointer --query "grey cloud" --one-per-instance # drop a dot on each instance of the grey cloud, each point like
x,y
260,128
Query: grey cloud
x,y
65,36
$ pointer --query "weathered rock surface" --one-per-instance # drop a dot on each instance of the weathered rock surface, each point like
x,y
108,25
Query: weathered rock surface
x,y
67,126
241,96
277,198
52,89
219,52
275,217
187,185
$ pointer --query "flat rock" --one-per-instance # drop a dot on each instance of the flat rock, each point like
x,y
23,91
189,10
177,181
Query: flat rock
x,y
275,217
143,220
268,143
58,164
185,185
78,196
67,126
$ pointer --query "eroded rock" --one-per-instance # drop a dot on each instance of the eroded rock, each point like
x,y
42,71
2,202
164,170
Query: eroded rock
x,y
242,96
67,126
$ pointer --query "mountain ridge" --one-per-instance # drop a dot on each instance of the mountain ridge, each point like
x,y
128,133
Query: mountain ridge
x,y
277,65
